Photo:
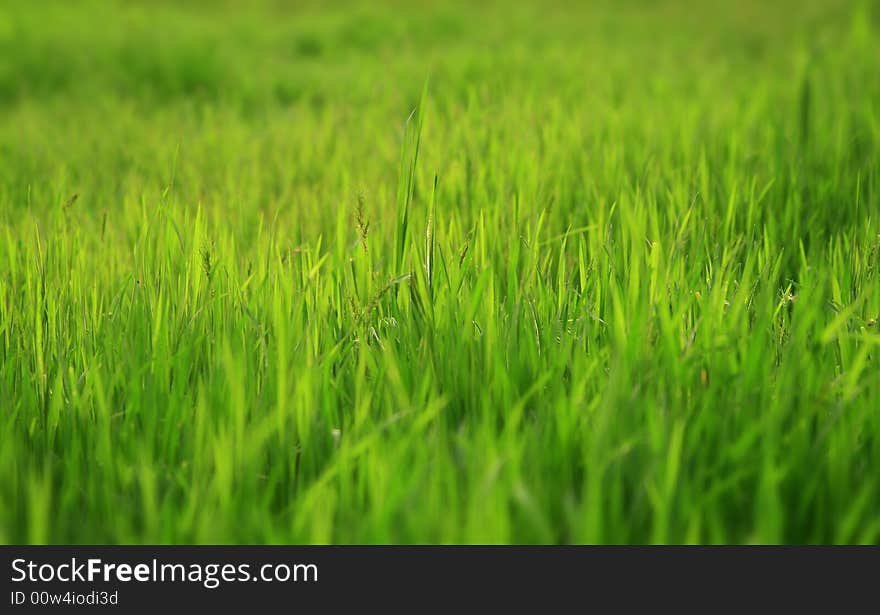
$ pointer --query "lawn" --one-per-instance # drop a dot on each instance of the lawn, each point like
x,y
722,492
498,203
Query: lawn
x,y
440,272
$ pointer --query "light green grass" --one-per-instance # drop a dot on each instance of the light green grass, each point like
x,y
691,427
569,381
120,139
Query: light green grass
x,y
617,278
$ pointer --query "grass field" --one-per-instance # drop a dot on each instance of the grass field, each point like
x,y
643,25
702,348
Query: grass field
x,y
434,272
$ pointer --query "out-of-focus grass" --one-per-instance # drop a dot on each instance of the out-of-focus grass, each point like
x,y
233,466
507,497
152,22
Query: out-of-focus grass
x,y
617,279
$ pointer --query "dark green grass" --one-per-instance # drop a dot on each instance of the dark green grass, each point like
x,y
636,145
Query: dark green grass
x,y
616,279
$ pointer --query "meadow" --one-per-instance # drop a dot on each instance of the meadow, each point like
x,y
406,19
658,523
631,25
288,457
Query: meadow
x,y
440,272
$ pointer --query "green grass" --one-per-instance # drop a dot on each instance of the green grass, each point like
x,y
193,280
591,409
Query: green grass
x,y
616,279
